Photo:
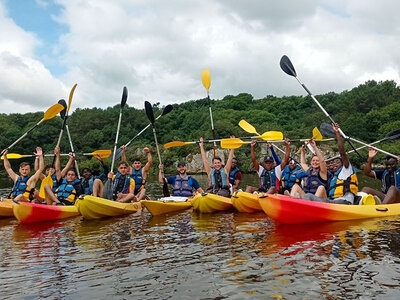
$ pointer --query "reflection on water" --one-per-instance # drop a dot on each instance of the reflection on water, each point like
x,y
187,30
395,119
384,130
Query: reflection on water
x,y
187,255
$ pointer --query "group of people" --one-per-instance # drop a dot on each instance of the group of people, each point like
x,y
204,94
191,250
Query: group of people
x,y
331,181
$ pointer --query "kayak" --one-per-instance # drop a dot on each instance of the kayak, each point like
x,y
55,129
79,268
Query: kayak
x,y
27,212
6,208
92,207
246,202
166,205
208,203
286,209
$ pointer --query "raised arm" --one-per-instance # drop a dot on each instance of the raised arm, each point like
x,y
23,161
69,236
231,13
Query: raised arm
x,y
207,167
68,165
274,155
323,171
253,155
103,175
7,166
287,154
147,166
303,162
57,164
228,164
40,164
368,166
161,173
343,154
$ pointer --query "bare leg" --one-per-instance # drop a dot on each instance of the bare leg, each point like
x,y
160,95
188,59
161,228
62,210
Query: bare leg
x,y
141,195
250,189
97,188
50,197
21,197
272,190
368,190
392,196
321,192
296,189
126,198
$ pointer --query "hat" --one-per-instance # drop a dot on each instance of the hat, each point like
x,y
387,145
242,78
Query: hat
x,y
268,158
181,163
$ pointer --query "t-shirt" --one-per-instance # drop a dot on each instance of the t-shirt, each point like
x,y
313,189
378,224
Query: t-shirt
x,y
192,182
278,171
389,179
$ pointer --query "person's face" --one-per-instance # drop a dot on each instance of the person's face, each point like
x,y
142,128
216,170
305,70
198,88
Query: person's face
x,y
315,162
268,165
86,174
181,170
234,163
391,165
335,165
123,169
292,165
71,176
217,164
137,165
49,171
25,170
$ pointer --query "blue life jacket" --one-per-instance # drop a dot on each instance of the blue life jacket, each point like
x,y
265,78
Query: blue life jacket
x,y
232,175
67,191
119,186
218,179
267,179
313,181
87,185
289,177
183,186
396,179
20,186
55,182
339,187
139,180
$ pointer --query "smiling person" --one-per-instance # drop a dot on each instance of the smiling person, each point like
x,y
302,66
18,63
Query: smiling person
x,y
390,177
24,185
93,185
123,184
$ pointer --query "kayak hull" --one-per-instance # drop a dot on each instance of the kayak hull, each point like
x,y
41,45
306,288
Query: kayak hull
x,y
6,208
91,207
27,212
246,202
159,207
286,209
209,203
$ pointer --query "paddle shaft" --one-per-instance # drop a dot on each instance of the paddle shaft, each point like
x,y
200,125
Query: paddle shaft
x,y
116,139
24,135
73,151
280,150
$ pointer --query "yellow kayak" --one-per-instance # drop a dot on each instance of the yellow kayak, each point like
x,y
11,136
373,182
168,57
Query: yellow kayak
x,y
92,207
6,208
208,203
246,202
166,205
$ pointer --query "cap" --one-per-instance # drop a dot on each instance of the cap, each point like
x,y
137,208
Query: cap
x,y
181,163
268,158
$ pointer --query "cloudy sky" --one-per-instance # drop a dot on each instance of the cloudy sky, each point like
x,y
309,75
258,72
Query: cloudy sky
x,y
159,48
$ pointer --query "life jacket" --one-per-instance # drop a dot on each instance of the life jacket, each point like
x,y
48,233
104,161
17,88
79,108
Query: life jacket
x,y
219,179
183,186
289,177
66,192
313,181
139,180
267,179
396,180
120,185
339,187
87,185
21,187
55,182
232,175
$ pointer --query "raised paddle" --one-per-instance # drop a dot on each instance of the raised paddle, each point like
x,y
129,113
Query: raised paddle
x,y
149,112
166,110
234,143
288,68
248,127
101,153
50,113
180,143
206,80
108,188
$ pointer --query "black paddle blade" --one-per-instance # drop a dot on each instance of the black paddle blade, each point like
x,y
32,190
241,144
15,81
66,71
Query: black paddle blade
x,y
149,111
393,135
124,96
327,130
287,66
64,104
167,109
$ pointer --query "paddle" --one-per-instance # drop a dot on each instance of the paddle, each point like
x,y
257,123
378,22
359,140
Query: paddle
x,y
108,189
50,113
166,110
101,153
180,143
288,68
149,112
234,143
206,80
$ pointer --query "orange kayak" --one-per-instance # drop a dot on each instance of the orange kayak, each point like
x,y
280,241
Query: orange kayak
x,y
27,212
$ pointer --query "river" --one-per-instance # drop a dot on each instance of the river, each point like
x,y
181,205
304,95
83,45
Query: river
x,y
188,255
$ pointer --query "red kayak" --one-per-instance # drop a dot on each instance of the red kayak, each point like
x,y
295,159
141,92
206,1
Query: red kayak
x,y
27,212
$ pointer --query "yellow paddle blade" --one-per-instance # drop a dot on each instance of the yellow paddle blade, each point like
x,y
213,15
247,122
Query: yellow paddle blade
x,y
47,181
271,135
316,134
206,79
14,156
247,127
71,94
175,144
52,111
233,143
102,153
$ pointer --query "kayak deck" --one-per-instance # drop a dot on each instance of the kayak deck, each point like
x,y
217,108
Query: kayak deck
x,y
159,207
208,203
246,202
6,208
286,209
27,212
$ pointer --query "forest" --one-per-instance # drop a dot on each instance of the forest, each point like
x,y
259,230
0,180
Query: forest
x,y
367,112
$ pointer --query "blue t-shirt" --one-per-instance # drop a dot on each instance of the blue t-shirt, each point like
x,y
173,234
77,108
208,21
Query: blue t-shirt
x,y
192,182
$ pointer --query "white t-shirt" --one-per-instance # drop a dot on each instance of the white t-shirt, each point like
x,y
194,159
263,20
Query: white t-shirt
x,y
278,171
345,172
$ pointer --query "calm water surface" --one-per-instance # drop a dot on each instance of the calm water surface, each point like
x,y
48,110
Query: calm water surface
x,y
199,256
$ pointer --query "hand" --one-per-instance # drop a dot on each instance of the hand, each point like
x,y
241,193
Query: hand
x,y
38,152
123,147
147,150
71,155
201,141
57,150
372,152
253,143
335,127
287,142
303,148
110,175
312,143
161,167
4,152
270,144
99,158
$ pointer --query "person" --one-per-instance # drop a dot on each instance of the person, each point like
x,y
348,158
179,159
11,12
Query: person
x,y
93,185
343,186
182,184
268,173
235,176
316,179
218,174
139,173
390,177
291,175
122,184
24,185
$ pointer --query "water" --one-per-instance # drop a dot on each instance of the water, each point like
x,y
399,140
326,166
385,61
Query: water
x,y
199,256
